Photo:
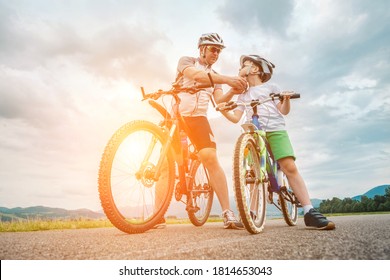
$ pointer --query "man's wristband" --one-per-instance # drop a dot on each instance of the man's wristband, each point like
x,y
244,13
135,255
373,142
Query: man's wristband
x,y
211,79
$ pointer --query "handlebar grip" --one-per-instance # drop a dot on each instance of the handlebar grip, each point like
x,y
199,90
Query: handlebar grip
x,y
292,96
143,92
295,95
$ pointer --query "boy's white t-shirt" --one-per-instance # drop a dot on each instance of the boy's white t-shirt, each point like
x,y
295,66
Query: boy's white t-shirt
x,y
269,116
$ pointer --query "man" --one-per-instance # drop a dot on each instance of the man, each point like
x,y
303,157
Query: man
x,y
194,71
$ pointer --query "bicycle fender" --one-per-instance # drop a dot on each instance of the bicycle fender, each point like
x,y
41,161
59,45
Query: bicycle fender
x,y
160,109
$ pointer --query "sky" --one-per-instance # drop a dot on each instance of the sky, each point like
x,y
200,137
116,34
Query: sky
x,y
70,73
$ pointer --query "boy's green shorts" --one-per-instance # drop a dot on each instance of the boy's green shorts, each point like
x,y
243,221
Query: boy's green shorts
x,y
280,144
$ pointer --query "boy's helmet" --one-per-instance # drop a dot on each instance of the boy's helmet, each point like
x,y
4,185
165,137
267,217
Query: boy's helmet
x,y
266,67
211,39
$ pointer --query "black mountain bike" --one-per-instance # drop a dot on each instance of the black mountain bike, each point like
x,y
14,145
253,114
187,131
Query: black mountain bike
x,y
145,164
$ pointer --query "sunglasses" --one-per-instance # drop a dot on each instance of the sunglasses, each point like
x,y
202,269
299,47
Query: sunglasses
x,y
214,49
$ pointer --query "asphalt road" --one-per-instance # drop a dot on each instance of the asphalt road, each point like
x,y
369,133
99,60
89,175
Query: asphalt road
x,y
363,237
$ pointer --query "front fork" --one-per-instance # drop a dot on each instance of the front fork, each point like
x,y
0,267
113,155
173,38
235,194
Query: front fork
x,y
146,172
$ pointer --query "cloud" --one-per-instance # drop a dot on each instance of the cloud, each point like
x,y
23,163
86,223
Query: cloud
x,y
130,52
249,15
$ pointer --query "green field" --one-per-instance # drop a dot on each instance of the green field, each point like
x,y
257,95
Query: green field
x,y
37,225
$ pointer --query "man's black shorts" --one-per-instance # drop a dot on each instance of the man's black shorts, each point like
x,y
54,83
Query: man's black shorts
x,y
199,132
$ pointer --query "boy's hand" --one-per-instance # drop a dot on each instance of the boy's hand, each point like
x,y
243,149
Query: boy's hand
x,y
238,83
286,95
226,106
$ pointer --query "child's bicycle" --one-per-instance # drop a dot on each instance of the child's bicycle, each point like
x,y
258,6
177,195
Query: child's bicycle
x,y
141,163
257,176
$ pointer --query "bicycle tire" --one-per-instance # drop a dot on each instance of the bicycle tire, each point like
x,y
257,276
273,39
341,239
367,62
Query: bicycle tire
x,y
131,200
197,197
288,203
249,188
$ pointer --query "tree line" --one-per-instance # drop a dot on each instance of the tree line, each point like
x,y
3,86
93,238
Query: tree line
x,y
349,205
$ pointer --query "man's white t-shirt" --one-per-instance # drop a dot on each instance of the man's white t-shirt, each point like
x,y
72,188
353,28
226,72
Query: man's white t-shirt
x,y
269,116
193,104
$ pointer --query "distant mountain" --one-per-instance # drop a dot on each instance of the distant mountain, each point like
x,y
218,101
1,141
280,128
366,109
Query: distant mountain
x,y
42,212
379,190
176,209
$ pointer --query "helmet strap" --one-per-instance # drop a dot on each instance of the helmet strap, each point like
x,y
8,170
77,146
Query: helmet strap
x,y
249,69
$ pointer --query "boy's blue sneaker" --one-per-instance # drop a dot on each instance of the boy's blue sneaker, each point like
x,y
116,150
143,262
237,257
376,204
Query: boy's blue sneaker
x,y
315,219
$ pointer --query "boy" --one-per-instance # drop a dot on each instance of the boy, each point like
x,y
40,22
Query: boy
x,y
258,71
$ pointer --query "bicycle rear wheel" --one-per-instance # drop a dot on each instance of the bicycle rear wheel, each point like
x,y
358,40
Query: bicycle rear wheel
x,y
249,184
200,194
288,203
130,196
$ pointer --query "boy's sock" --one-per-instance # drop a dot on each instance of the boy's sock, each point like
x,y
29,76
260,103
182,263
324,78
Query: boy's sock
x,y
306,208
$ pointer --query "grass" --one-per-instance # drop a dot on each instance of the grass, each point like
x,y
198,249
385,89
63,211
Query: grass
x,y
38,225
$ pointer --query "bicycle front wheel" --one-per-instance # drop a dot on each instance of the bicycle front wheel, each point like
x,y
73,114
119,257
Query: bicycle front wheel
x,y
131,197
249,184
200,194
288,202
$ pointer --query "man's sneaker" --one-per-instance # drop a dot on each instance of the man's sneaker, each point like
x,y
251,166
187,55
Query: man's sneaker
x,y
230,221
161,224
315,219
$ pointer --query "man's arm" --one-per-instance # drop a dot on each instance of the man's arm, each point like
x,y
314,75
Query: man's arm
x,y
202,77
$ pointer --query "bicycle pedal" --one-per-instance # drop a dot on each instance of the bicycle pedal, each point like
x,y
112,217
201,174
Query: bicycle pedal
x,y
192,209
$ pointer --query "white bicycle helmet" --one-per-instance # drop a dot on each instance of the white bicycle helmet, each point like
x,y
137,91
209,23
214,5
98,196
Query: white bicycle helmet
x,y
266,67
211,39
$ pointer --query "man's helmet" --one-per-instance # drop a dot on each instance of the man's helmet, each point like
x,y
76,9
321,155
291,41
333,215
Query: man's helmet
x,y
264,65
210,39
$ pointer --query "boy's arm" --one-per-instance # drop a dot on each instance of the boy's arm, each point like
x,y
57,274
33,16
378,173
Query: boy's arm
x,y
220,97
234,116
284,105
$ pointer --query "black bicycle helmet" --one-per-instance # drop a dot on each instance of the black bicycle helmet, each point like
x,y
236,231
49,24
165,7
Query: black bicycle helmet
x,y
211,39
266,67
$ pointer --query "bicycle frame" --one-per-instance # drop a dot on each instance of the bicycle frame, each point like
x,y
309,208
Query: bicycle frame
x,y
175,123
268,165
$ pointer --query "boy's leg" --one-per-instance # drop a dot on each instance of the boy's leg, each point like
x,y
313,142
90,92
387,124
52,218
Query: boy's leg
x,y
295,180
312,217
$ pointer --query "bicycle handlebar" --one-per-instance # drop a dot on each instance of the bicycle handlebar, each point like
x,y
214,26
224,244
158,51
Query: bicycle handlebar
x,y
292,96
232,104
173,91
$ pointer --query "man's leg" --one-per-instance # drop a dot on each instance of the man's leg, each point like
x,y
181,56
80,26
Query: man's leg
x,y
208,156
217,176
